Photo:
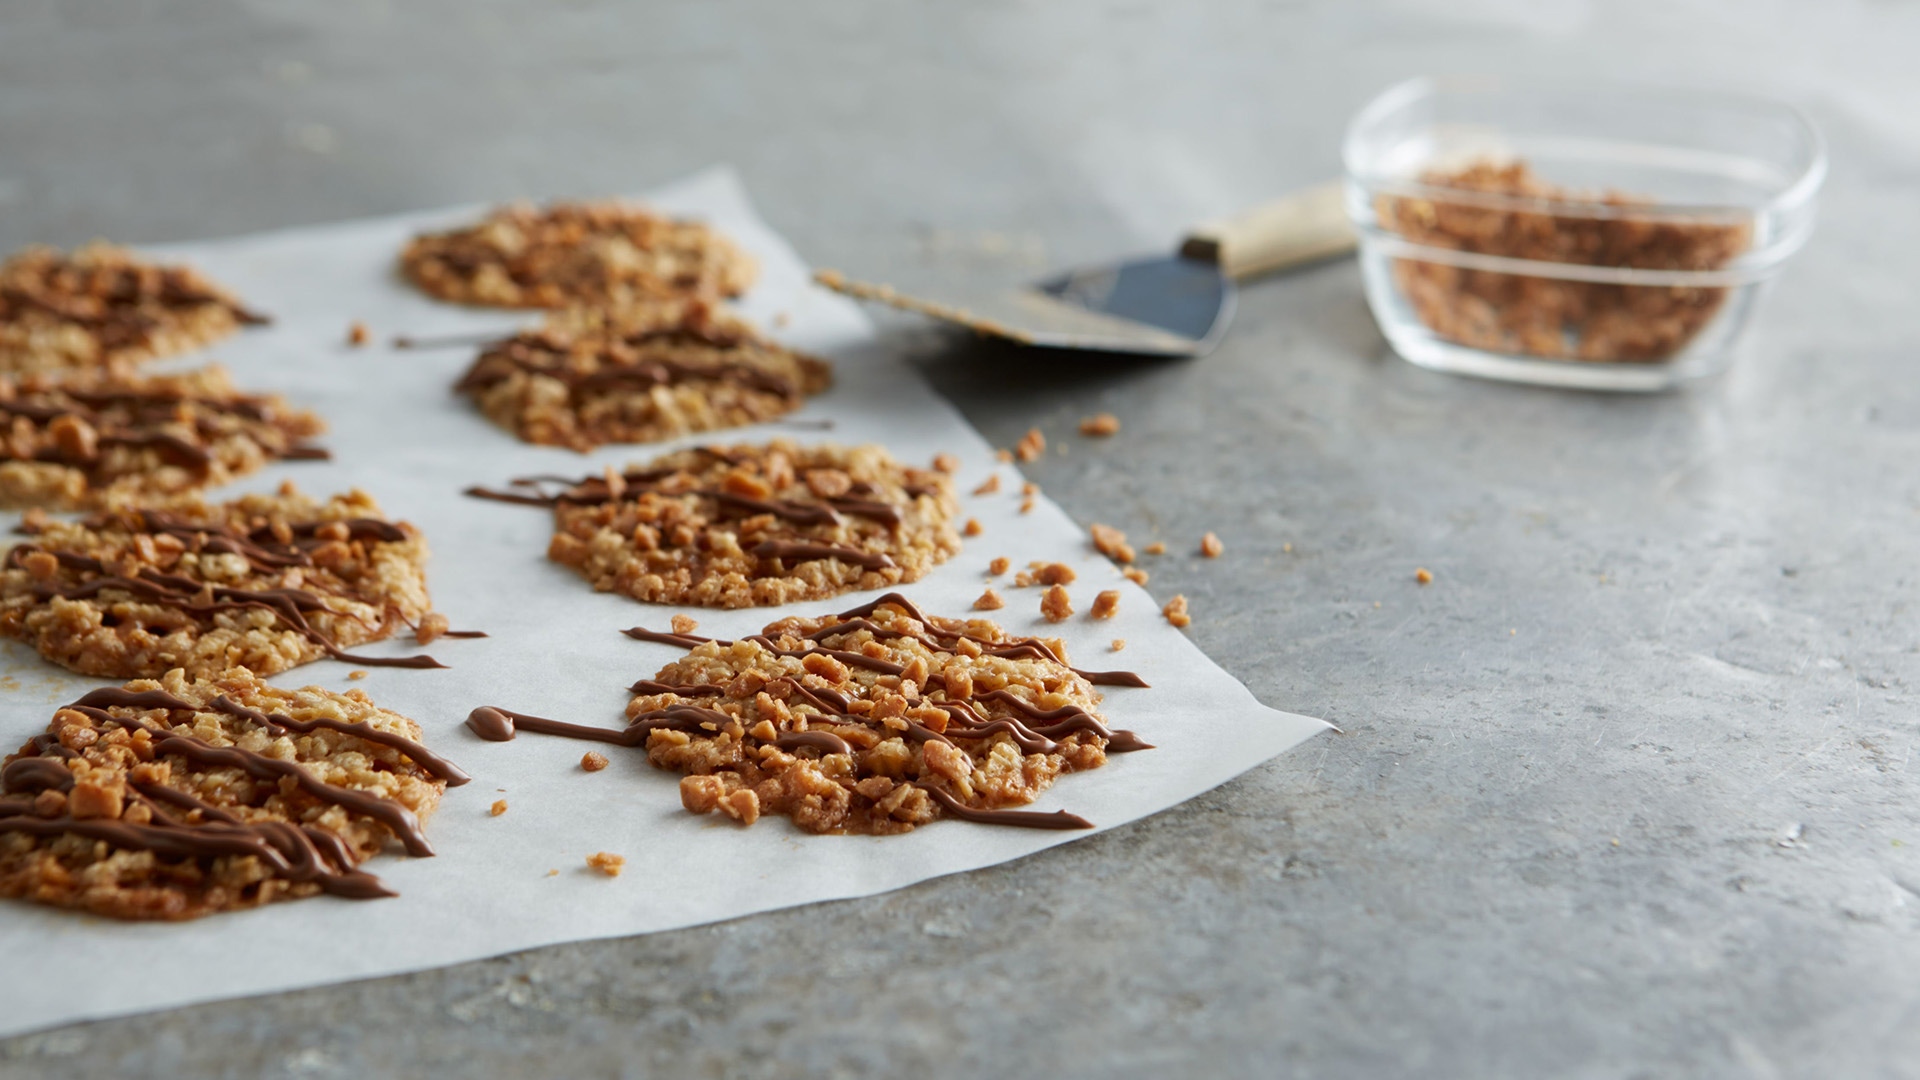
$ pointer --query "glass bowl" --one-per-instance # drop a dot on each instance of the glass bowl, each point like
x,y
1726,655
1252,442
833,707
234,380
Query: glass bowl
x,y
1594,235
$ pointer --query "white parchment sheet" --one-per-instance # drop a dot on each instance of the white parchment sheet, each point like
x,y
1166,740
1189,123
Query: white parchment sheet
x,y
555,650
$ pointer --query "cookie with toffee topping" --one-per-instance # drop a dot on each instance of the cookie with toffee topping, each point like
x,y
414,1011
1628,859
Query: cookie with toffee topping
x,y
874,720
178,798
266,582
102,305
647,373
101,438
748,526
600,254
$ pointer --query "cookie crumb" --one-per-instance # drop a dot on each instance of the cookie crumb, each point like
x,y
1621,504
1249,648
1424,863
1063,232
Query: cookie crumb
x,y
1023,579
1155,548
988,486
553,873
1026,505
593,761
1105,604
356,674
432,626
972,528
1176,611
1031,445
1055,604
358,335
685,624
1111,542
1029,489
999,566
1135,575
1423,576
607,863
1100,425
1003,455
1056,574
1119,643
499,807
1211,547
946,463
989,601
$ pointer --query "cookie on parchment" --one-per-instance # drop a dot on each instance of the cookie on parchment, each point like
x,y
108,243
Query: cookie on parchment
x,y
649,372
103,438
178,798
874,720
102,306
749,525
265,582
600,254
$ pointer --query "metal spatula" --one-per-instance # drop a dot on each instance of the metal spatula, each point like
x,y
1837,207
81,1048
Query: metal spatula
x,y
1160,305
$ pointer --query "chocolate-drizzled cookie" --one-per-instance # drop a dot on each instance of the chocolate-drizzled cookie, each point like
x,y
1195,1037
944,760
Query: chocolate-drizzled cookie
x,y
105,438
102,305
267,582
749,525
874,720
646,373
601,254
178,798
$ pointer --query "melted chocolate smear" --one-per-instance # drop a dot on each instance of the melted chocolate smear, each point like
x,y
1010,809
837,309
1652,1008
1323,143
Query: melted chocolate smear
x,y
1023,819
685,641
1113,678
824,741
648,686
500,725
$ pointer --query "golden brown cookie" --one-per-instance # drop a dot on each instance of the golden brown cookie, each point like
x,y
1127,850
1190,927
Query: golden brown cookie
x,y
750,525
102,305
177,798
650,372
601,254
266,582
873,720
102,438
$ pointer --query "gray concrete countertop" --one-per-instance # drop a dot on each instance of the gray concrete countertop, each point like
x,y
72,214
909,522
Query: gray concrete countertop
x,y
1625,792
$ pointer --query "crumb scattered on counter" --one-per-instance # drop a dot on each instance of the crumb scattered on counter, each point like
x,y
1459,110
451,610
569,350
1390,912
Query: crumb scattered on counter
x,y
1053,573
989,601
1105,604
999,566
499,807
1211,547
988,486
1111,542
356,674
358,335
1119,643
431,627
972,528
1031,445
946,463
593,761
684,624
1135,575
1176,611
607,863
1055,604
1100,425
1155,548
1003,456
1423,575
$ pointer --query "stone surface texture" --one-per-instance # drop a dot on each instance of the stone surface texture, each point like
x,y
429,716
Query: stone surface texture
x,y
1626,791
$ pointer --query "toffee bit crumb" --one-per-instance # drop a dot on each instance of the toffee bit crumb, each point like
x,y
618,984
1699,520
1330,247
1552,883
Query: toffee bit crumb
x,y
593,761
1029,489
1026,505
1155,548
1055,604
685,624
607,863
972,528
499,807
1003,455
358,335
1023,579
1119,643
1105,604
989,601
1031,445
432,626
1135,575
553,873
1111,542
1287,547
1054,574
1176,611
356,674
1211,547
1423,576
988,486
999,566
946,463
1100,425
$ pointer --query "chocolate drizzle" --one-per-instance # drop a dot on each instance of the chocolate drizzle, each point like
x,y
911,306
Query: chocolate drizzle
x,y
795,550
1022,819
167,421
296,853
626,361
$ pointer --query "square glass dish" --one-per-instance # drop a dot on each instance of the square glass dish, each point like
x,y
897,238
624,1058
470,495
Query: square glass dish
x,y
1593,235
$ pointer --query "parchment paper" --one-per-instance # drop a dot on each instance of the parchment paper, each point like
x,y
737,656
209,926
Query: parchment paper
x,y
555,650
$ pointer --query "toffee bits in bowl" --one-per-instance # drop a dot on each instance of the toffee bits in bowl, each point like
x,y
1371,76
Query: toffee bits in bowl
x,y
1592,236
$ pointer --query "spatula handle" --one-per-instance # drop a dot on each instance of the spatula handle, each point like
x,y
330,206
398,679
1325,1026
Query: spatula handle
x,y
1288,231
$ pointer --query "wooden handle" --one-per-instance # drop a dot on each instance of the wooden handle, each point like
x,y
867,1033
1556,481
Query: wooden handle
x,y
1288,231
